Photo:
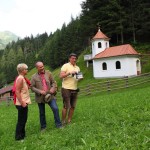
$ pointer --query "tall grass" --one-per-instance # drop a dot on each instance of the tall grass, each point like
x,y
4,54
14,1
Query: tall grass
x,y
115,121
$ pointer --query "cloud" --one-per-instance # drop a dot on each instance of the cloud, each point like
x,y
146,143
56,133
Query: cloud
x,y
28,17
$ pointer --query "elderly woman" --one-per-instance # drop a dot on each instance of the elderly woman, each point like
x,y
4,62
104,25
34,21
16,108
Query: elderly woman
x,y
22,100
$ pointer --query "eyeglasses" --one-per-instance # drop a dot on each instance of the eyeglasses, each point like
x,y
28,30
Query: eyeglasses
x,y
26,69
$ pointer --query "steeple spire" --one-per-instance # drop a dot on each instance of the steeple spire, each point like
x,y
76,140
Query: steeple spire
x,y
98,24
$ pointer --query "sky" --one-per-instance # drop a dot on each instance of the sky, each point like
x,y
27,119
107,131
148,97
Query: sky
x,y
26,17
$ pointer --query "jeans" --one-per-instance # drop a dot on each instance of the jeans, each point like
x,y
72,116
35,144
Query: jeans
x,y
22,119
55,110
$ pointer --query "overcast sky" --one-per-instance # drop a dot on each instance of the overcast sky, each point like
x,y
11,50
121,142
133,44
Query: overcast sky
x,y
26,17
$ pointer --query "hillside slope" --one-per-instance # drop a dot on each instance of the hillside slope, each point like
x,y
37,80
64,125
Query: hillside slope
x,y
88,72
6,37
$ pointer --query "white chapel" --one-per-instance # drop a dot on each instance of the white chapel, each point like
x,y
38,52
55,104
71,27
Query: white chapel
x,y
117,61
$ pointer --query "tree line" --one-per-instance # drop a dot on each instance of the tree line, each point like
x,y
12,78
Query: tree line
x,y
124,21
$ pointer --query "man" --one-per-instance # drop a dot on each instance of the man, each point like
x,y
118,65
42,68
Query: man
x,y
44,86
22,99
69,87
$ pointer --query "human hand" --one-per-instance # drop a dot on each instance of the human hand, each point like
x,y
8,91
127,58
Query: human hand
x,y
24,104
43,92
52,90
73,73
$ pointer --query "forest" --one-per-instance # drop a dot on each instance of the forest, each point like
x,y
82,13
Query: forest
x,y
123,21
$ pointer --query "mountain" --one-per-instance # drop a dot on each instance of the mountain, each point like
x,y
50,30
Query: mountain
x,y
6,37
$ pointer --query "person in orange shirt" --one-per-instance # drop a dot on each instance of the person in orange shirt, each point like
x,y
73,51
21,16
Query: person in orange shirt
x,y
22,100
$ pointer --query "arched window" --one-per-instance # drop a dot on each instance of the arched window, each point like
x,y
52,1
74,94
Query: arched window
x,y
104,66
99,45
118,65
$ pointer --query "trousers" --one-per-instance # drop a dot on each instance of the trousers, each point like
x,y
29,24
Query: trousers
x,y
54,107
21,122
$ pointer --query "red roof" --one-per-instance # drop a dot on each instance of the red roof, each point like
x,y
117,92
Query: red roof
x,y
100,35
126,49
6,89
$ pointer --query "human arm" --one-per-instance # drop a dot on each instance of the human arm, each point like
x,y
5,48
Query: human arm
x,y
68,70
35,86
64,74
53,84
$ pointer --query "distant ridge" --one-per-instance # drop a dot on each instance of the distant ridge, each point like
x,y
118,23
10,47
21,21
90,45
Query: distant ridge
x,y
6,37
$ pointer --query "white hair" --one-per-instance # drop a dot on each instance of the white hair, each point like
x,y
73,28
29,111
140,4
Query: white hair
x,y
21,67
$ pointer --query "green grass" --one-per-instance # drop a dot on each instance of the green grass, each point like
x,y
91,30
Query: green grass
x,y
114,121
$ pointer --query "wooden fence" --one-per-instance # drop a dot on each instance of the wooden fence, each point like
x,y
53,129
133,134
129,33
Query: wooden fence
x,y
112,85
107,86
116,84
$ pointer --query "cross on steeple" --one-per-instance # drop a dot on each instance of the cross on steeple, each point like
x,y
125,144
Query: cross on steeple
x,y
98,24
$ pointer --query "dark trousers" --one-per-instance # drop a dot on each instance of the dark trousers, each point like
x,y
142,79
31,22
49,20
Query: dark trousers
x,y
22,119
55,110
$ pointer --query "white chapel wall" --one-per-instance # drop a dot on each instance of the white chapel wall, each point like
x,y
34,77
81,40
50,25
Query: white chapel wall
x,y
128,67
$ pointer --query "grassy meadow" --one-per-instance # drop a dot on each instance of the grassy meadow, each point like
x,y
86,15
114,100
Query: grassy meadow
x,y
114,121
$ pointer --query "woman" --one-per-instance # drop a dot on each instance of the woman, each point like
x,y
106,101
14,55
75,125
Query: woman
x,y
22,100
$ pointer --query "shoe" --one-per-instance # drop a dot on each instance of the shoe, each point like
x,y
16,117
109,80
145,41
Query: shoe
x,y
64,123
19,139
69,122
60,127
47,98
43,130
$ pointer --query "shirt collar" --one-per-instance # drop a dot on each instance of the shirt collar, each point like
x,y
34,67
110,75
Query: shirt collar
x,y
72,64
41,73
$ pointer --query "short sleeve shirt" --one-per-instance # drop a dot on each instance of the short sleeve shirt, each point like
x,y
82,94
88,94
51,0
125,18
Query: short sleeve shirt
x,y
70,82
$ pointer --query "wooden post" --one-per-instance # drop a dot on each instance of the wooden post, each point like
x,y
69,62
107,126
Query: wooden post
x,y
8,100
88,90
108,86
126,82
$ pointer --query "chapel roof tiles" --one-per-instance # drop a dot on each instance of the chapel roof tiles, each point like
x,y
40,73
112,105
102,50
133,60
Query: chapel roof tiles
x,y
126,49
100,35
